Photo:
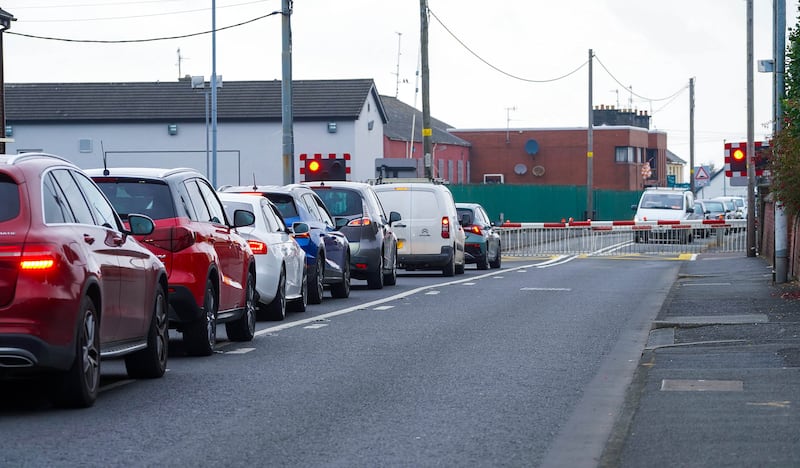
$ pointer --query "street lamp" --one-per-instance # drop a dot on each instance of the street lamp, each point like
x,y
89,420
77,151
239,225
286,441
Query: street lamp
x,y
5,22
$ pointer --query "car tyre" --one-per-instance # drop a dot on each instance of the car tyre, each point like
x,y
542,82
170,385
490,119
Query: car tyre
x,y
341,290
244,328
151,362
450,268
375,279
276,310
201,335
390,279
77,387
483,261
316,281
497,260
299,304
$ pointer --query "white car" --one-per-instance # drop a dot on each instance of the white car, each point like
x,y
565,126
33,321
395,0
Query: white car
x,y
429,235
281,281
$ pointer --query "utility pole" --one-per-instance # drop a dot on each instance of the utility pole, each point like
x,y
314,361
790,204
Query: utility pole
x,y
751,171
397,67
691,135
287,113
214,94
590,149
508,122
427,133
779,58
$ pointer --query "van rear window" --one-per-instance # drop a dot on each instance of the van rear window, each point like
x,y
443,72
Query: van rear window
x,y
416,204
9,193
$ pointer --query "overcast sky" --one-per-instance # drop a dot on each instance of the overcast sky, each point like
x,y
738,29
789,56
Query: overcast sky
x,y
492,64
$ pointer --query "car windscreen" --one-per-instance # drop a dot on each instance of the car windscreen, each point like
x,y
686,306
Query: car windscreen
x,y
284,203
148,197
662,201
465,211
341,202
715,207
9,193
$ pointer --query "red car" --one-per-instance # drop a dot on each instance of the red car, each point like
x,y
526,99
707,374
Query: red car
x,y
75,286
211,268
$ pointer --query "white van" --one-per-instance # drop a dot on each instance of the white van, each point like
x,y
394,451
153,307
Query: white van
x,y
429,235
665,204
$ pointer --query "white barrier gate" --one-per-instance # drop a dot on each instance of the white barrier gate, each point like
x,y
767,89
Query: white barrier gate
x,y
623,237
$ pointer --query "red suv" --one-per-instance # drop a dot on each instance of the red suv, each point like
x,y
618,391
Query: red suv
x,y
75,286
212,273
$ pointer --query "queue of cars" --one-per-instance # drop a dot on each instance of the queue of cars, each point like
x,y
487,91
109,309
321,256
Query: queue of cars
x,y
102,263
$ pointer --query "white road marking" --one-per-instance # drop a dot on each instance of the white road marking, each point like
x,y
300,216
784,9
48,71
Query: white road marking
x,y
387,307
706,284
316,325
240,351
545,289
401,295
469,284
432,293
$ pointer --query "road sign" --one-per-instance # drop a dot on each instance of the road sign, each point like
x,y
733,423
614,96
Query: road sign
x,y
701,176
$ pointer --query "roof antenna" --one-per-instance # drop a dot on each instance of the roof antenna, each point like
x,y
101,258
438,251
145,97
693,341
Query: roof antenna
x,y
255,187
105,165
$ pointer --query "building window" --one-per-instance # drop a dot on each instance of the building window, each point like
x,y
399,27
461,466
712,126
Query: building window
x,y
624,154
493,178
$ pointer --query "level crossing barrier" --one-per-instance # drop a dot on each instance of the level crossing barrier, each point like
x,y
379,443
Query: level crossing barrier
x,y
623,237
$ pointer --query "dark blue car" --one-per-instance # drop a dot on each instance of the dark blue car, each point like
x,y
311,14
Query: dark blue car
x,y
327,249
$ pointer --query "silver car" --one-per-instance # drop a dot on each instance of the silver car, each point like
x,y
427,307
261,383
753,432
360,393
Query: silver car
x,y
281,280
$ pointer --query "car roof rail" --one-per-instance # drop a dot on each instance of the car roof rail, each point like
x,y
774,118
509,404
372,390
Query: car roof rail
x,y
24,156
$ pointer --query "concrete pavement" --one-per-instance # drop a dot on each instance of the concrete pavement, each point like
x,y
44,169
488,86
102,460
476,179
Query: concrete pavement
x,y
719,381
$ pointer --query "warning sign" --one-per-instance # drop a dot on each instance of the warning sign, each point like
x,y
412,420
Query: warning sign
x,y
701,176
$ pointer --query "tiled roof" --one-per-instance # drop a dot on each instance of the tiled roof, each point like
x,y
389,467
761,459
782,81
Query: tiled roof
x,y
176,100
400,116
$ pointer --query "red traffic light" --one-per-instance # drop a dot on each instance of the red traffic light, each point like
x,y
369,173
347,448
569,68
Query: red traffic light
x,y
313,166
738,161
738,154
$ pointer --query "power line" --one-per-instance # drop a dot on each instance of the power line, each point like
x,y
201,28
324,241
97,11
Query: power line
x,y
671,96
496,68
153,39
81,5
139,16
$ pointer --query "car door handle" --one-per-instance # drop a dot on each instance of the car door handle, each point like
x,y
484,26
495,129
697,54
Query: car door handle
x,y
399,225
88,239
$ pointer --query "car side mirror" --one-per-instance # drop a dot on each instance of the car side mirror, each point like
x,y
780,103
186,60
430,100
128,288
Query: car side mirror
x,y
299,228
340,221
243,218
633,207
394,216
690,210
141,225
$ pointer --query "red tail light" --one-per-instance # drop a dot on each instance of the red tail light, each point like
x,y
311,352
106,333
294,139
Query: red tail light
x,y
476,230
445,227
38,258
258,247
360,222
173,239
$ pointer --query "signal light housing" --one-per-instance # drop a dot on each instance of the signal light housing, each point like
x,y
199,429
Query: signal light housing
x,y
738,159
325,169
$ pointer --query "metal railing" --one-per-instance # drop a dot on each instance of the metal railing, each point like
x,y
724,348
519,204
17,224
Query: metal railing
x,y
623,237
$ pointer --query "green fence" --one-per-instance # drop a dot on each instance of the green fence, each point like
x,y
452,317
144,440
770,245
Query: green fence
x,y
546,203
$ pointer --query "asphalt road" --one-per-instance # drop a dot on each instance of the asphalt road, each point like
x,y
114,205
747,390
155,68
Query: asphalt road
x,y
523,366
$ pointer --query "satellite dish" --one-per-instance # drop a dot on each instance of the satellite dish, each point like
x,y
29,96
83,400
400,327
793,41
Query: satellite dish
x,y
532,147
538,171
520,169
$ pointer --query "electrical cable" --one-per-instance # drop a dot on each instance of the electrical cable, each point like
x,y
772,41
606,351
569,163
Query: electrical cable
x,y
139,16
496,68
126,41
671,96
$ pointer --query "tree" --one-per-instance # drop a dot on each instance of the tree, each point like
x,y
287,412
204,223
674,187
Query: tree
x,y
785,158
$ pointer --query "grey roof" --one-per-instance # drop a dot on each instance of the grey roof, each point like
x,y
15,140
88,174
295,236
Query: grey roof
x,y
176,100
673,158
400,116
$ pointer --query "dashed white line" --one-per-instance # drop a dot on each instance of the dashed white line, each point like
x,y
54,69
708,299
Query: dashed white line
x,y
316,325
432,293
240,351
386,307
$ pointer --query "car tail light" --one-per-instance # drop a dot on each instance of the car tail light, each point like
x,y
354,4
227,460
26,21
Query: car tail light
x,y
445,227
476,230
173,238
360,222
258,247
38,257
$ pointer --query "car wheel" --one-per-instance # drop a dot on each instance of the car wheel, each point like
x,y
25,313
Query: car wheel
x,y
483,261
315,282
77,387
341,290
276,310
375,279
496,262
244,328
201,336
450,268
151,362
299,305
390,279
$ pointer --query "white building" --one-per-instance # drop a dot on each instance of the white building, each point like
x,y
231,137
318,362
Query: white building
x,y
164,124
717,185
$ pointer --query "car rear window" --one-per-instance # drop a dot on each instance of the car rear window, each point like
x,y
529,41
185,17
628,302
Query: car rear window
x,y
417,204
9,193
284,203
148,197
341,202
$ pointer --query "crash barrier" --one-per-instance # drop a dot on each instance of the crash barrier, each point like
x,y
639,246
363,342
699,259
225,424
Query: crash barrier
x,y
623,237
